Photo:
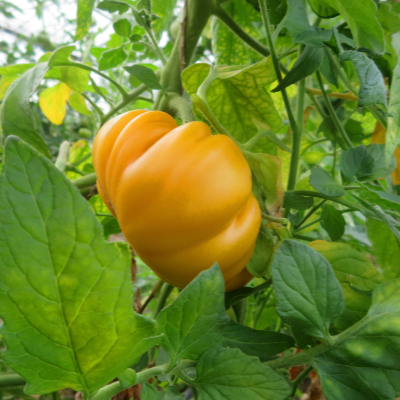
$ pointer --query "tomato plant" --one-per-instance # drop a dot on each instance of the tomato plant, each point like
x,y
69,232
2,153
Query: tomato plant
x,y
247,152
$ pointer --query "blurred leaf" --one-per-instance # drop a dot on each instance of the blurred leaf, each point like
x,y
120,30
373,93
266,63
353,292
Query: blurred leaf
x,y
376,195
164,9
78,103
372,86
122,27
17,117
76,78
84,18
388,19
5,83
296,17
309,61
333,222
262,344
293,200
329,70
53,102
17,69
230,374
61,55
356,275
309,295
49,336
112,58
113,6
322,8
261,259
322,181
365,366
144,75
386,248
315,37
277,10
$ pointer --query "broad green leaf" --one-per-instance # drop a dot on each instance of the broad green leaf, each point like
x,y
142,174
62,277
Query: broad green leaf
x,y
262,344
127,378
388,19
361,18
392,137
386,249
165,10
194,321
277,10
230,374
261,259
268,172
322,181
244,94
329,71
53,102
76,78
113,6
122,27
227,47
5,83
372,86
309,295
298,202
17,69
322,9
61,56
377,195
149,392
84,18
309,61
78,103
296,17
144,75
112,58
17,117
356,275
333,222
66,299
365,366
315,37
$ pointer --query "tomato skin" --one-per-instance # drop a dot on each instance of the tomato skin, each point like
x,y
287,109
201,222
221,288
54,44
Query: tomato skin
x,y
182,196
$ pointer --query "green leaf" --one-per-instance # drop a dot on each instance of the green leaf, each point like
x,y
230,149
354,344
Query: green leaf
x,y
386,249
322,9
61,56
277,10
392,136
309,61
372,86
164,9
315,37
329,70
230,374
244,94
194,321
227,47
322,181
296,201
144,75
260,261
127,378
149,392
388,19
76,78
309,295
5,83
262,344
112,58
333,222
17,117
122,27
66,299
296,18
364,26
84,18
17,69
78,103
365,366
113,6
377,195
356,163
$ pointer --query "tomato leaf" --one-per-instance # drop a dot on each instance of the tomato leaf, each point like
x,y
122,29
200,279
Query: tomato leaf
x,y
372,86
322,9
113,6
322,181
296,201
17,117
53,102
144,75
296,17
66,299
84,18
230,374
78,103
122,27
112,58
309,295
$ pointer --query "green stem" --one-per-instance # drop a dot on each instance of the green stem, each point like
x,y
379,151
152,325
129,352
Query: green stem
x,y
303,237
94,105
62,158
8,380
313,144
292,121
165,292
81,160
130,97
72,168
99,92
263,304
222,15
182,106
156,288
88,68
332,112
334,160
319,220
86,181
311,212
300,379
282,221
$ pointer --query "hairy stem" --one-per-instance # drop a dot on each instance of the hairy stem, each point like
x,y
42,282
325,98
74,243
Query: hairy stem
x,y
86,181
62,158
300,379
182,107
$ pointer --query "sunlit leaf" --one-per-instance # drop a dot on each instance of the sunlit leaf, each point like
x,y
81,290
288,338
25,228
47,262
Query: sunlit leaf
x,y
53,102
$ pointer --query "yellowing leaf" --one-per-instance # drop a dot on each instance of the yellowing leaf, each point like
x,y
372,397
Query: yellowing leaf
x,y
52,102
